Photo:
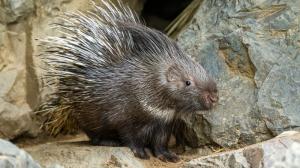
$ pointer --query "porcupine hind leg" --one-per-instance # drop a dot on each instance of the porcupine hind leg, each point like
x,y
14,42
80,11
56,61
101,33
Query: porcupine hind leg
x,y
136,140
159,145
104,138
97,141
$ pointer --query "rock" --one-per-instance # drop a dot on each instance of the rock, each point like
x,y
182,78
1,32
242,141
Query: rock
x,y
78,153
15,116
250,48
13,157
12,10
290,159
13,120
278,98
276,153
75,151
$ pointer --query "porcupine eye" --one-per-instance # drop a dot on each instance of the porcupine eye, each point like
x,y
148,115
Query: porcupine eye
x,y
187,83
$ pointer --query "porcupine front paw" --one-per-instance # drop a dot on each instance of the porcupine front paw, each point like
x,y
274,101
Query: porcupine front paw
x,y
165,155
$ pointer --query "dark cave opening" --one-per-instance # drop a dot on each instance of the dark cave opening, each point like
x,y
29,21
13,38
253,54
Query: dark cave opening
x,y
160,13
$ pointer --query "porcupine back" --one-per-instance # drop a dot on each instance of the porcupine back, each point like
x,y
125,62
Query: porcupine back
x,y
91,44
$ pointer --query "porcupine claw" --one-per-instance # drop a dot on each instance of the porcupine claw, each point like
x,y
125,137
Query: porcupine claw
x,y
165,155
169,157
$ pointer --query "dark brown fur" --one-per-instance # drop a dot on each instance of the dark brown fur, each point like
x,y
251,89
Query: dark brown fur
x,y
127,83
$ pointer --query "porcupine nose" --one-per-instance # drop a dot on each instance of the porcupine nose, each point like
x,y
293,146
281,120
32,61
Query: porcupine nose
x,y
213,98
210,100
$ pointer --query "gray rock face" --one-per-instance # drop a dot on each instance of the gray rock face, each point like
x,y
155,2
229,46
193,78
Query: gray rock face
x,y
279,152
252,49
13,157
278,98
290,159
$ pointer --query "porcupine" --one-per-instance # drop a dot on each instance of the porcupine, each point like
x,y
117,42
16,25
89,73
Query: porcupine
x,y
126,83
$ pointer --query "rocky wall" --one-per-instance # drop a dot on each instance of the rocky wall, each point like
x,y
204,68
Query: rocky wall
x,y
252,49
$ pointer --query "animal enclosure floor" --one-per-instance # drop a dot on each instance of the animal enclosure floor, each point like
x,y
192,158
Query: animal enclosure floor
x,y
75,151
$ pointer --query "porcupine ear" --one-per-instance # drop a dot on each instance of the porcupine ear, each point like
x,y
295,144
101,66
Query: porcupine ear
x,y
173,78
173,74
